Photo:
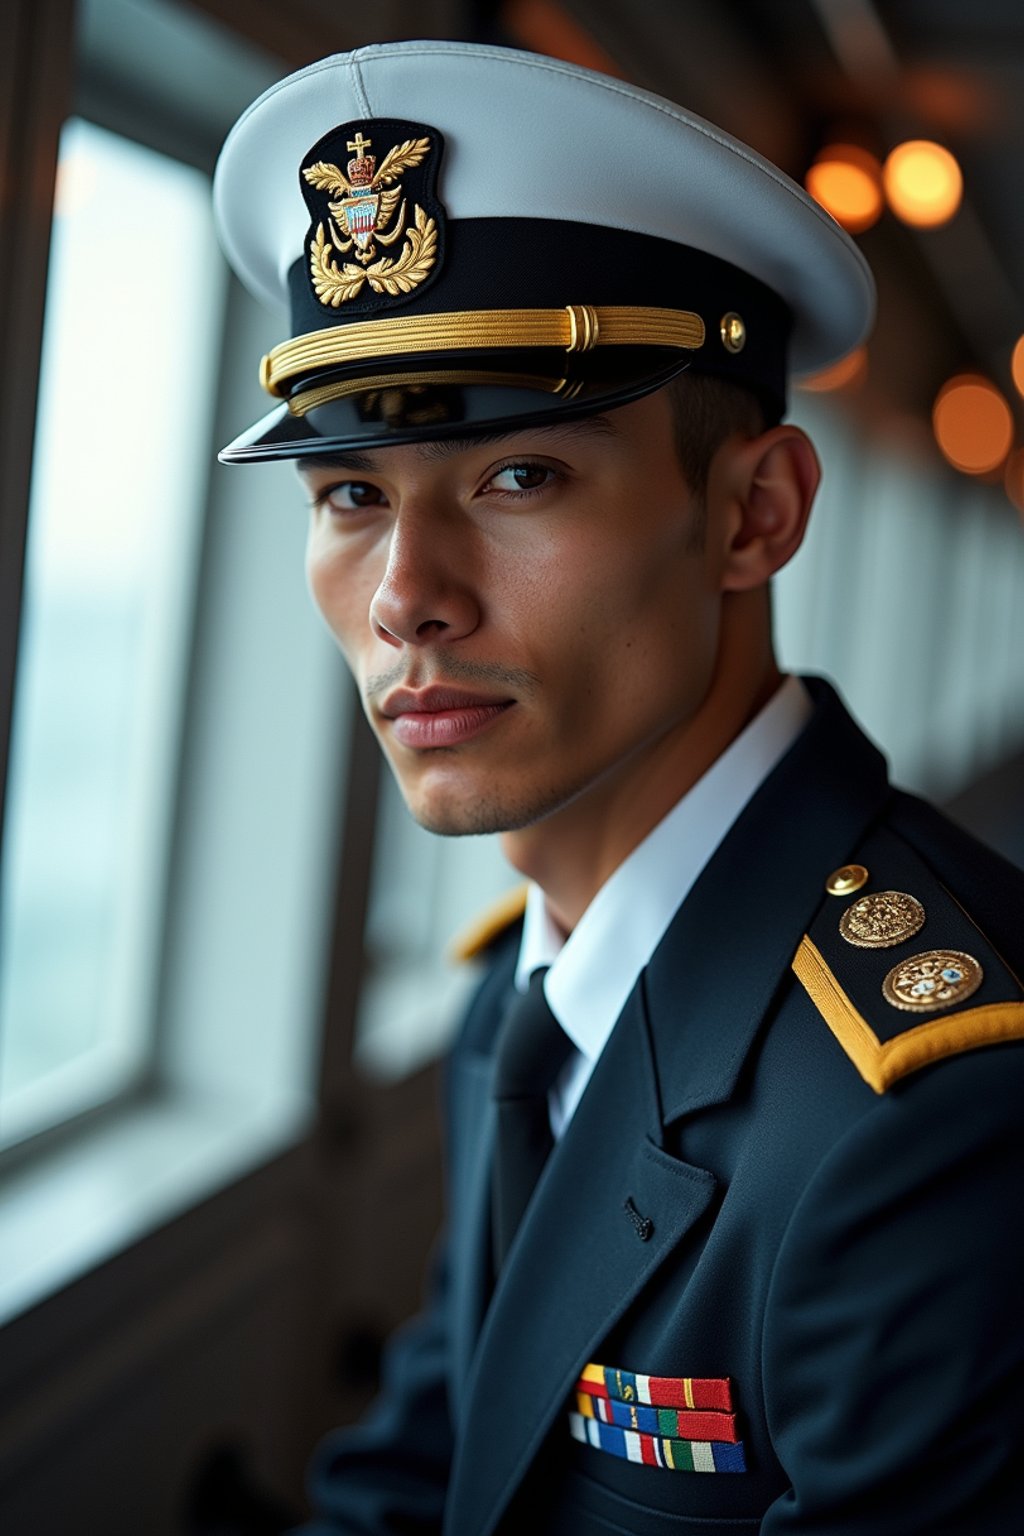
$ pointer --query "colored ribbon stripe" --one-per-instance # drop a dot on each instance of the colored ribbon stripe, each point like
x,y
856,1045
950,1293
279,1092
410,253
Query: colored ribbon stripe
x,y
703,1392
675,1422
657,1450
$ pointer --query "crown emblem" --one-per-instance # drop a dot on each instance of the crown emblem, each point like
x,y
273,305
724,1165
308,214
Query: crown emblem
x,y
366,209
362,168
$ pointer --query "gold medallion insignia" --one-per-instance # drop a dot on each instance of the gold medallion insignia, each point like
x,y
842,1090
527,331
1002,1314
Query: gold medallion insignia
x,y
368,211
881,920
937,979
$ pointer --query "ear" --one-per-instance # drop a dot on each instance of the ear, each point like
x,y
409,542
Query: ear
x,y
770,484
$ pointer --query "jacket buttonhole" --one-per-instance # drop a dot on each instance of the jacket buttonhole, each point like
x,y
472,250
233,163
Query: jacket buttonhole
x,y
643,1226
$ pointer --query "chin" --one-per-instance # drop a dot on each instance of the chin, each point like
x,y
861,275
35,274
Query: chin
x,y
466,811
459,821
468,816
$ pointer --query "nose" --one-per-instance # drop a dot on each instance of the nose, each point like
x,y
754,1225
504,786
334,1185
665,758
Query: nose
x,y
425,594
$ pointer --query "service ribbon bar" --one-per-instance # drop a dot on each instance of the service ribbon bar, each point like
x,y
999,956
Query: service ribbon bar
x,y
674,1422
691,1392
656,1450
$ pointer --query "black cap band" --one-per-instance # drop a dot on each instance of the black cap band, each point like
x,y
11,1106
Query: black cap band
x,y
530,264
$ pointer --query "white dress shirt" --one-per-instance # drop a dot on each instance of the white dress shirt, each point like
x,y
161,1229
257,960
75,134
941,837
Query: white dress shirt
x,y
593,971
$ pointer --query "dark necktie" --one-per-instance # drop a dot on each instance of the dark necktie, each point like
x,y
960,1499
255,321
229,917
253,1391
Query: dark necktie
x,y
531,1049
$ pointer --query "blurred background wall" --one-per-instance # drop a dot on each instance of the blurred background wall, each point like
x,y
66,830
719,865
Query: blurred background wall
x,y
224,989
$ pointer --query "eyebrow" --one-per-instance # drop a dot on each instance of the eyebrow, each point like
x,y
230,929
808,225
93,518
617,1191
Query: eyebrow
x,y
442,448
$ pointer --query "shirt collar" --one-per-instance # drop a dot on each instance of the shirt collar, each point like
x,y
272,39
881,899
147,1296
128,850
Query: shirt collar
x,y
593,971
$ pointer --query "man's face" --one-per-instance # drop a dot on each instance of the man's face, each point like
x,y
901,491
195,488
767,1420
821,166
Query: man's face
x,y
528,618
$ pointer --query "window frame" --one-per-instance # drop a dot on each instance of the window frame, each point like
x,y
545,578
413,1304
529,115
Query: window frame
x,y
120,1063
36,73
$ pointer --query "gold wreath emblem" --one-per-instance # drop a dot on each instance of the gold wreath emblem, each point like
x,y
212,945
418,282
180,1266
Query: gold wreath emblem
x,y
363,217
335,286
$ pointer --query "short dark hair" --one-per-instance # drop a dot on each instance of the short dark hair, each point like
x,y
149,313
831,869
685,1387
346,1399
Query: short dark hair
x,y
705,411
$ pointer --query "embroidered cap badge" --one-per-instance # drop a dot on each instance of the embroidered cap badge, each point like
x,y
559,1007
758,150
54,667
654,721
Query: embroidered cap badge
x,y
364,210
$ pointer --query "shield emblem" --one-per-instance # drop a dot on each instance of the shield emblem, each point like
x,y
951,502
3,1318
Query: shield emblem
x,y
361,214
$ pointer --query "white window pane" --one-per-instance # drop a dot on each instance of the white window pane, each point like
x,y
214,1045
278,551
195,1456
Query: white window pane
x,y
133,314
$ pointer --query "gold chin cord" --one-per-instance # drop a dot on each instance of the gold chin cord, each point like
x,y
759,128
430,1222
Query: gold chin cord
x,y
576,328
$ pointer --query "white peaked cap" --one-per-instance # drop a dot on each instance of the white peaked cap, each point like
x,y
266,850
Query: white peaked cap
x,y
530,139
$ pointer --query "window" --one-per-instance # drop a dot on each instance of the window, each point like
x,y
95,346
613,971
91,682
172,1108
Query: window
x,y
119,467
178,763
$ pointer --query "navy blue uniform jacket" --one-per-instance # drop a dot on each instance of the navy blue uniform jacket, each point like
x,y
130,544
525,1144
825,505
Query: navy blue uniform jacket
x,y
829,1195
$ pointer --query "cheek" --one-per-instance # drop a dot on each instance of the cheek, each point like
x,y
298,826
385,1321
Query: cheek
x,y
316,575
317,564
646,586
342,590
648,628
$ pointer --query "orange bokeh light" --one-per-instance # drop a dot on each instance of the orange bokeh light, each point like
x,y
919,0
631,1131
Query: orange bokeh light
x,y
973,424
923,183
546,27
1017,365
1013,479
847,181
849,372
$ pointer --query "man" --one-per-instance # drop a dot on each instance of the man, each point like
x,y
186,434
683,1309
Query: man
x,y
734,1180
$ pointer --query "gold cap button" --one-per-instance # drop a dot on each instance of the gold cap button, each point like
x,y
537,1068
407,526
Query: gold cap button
x,y
733,331
841,882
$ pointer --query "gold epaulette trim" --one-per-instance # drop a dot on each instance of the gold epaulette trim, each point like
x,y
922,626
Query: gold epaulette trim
x,y
882,1065
481,933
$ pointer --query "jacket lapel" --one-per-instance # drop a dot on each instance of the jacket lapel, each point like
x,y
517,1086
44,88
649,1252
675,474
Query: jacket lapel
x,y
470,1243
729,948
470,1117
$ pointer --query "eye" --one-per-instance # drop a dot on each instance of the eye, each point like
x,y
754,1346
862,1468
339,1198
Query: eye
x,y
521,477
350,496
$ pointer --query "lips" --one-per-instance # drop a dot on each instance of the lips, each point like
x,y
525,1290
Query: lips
x,y
439,716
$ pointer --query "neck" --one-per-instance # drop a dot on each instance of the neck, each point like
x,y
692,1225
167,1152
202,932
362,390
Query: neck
x,y
571,853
